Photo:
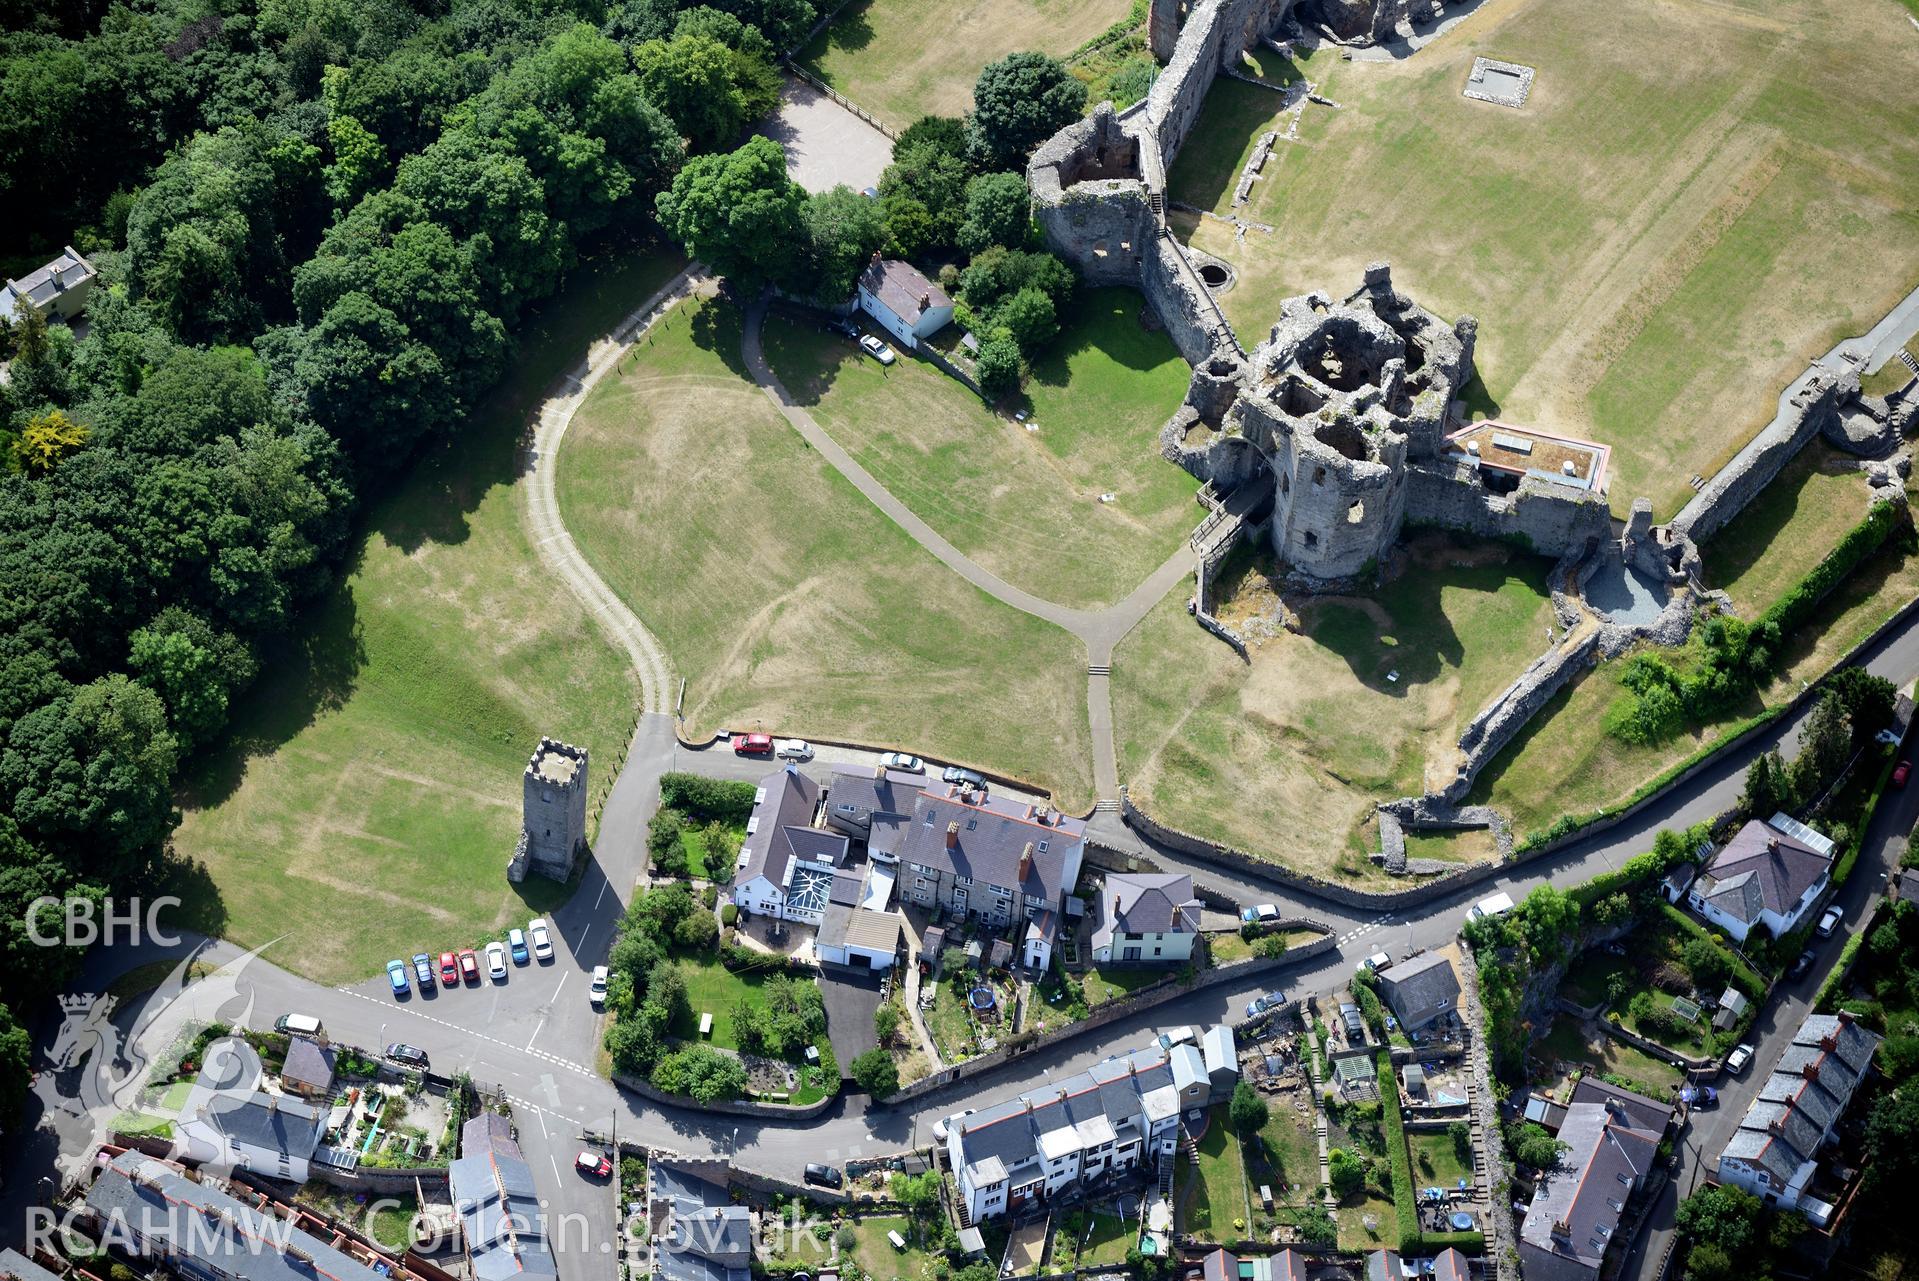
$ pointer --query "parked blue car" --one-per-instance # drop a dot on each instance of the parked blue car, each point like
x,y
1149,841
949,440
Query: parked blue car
x,y
516,944
396,975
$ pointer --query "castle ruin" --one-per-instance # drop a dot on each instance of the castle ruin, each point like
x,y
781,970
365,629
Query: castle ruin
x,y
553,812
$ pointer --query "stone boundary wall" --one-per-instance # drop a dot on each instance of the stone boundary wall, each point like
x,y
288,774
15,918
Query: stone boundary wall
x,y
939,361
1755,466
729,1107
1501,720
1654,1048
383,1181
1111,1012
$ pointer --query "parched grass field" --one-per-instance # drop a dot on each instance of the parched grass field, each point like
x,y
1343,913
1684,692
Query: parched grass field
x,y
1286,756
1696,200
1565,763
1023,504
1892,375
1787,529
784,597
903,59
369,796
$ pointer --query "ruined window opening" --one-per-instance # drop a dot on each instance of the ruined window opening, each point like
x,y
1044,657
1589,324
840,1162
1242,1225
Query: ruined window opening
x,y
1099,249
1356,513
1285,483
1312,539
1319,475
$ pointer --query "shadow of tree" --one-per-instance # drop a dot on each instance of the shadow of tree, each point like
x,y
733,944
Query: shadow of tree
x,y
1107,321
806,356
851,31
718,324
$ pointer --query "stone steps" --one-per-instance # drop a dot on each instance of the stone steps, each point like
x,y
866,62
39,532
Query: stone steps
x,y
1910,361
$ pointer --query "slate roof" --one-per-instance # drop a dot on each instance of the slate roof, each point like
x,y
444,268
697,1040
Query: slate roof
x,y
1219,1266
15,1266
1588,1190
43,284
1804,1097
1451,1265
1383,1265
899,286
993,835
1761,869
227,1236
874,792
1145,904
1642,1112
1113,1090
308,1063
711,1239
499,1208
1420,989
274,1122
783,831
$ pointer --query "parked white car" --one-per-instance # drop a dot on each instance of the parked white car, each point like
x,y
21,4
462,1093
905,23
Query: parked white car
x,y
542,943
903,762
1492,905
496,961
877,350
1378,961
794,749
596,991
1830,921
1736,1061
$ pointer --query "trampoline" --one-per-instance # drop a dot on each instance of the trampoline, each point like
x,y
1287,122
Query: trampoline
x,y
982,999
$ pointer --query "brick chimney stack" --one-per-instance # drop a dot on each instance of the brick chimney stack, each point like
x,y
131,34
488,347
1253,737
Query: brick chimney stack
x,y
952,835
1026,863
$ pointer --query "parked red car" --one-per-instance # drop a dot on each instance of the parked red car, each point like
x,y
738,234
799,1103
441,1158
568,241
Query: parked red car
x,y
1901,772
470,966
449,968
753,744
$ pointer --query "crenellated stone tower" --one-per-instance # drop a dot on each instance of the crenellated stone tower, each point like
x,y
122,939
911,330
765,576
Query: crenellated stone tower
x,y
553,809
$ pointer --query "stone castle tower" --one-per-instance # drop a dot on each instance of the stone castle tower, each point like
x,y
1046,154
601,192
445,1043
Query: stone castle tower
x,y
553,823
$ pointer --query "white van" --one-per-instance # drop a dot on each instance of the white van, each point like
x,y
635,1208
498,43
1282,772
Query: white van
x,y
1496,905
299,1025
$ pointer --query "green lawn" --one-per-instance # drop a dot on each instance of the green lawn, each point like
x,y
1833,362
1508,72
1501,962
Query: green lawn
x,y
1564,763
1219,1206
1596,1051
713,989
704,864
1110,983
1892,375
1436,1164
1475,845
1287,1157
903,59
1695,201
787,600
877,1257
1286,756
1109,1240
369,795
1227,949
1023,503
951,1028
1784,532
1351,1216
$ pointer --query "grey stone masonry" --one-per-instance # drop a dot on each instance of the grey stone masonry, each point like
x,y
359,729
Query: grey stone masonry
x,y
553,826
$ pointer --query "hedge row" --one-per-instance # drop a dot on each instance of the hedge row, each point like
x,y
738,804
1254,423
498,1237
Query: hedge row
x,y
1861,541
1836,979
1857,842
1405,1192
1642,869
1744,976
710,800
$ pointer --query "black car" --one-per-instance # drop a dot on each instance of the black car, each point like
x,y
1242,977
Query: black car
x,y
957,774
1801,966
825,1175
409,1055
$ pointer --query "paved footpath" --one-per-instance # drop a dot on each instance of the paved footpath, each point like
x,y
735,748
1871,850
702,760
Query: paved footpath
x,y
1099,630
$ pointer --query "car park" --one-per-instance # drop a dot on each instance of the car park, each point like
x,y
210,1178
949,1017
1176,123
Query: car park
x,y
449,969
410,1055
876,349
960,774
752,744
542,942
1737,1061
1802,965
396,975
1830,921
825,1176
496,961
903,762
596,990
470,965
516,944
594,1164
423,971
795,749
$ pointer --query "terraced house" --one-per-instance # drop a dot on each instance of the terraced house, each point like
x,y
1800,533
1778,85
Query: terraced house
x,y
996,860
1775,1152
1085,1130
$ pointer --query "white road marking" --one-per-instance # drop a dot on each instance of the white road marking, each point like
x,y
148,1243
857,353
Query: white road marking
x,y
479,1036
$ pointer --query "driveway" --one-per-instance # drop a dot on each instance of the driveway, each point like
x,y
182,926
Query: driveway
x,y
825,144
851,996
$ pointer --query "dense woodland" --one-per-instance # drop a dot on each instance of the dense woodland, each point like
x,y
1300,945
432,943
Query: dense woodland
x,y
318,225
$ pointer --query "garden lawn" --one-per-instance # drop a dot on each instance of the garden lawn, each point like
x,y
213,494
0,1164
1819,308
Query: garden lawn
x,y
1441,1166
1225,949
877,1257
903,59
1564,762
1695,201
713,989
1291,1152
1596,1051
949,1024
700,861
1023,503
786,600
1351,1216
1785,531
1105,983
1474,845
1286,756
369,792
1109,1241
1219,1195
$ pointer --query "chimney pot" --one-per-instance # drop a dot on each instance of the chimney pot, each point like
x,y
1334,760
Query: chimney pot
x,y
952,835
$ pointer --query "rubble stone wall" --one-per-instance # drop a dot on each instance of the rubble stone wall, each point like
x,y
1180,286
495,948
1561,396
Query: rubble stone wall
x,y
1725,495
1555,519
